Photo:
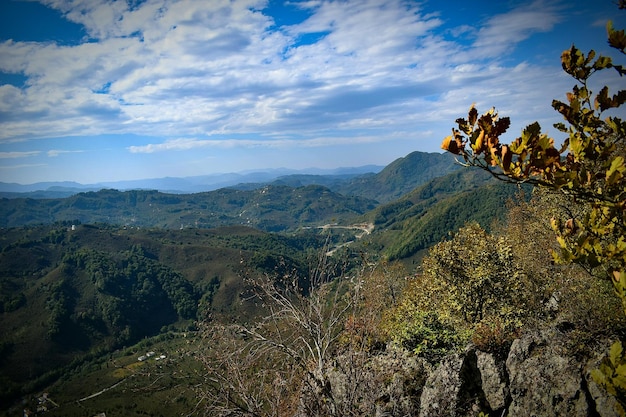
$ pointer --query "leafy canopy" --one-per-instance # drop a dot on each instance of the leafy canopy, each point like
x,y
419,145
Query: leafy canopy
x,y
589,166
466,283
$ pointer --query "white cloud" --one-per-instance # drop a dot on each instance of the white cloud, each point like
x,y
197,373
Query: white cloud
x,y
185,144
20,167
14,155
172,68
53,153
503,32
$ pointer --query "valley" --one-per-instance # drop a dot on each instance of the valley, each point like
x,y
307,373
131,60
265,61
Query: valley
x,y
88,282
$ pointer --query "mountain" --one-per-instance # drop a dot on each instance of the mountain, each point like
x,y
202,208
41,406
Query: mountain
x,y
336,183
285,203
408,226
71,293
383,184
270,208
392,182
194,184
400,177
85,275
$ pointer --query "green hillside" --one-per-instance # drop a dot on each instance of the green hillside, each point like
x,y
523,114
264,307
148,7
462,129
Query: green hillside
x,y
67,294
429,213
99,271
270,208
395,180
400,177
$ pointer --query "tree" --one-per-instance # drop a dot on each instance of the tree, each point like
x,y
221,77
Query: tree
x,y
314,351
467,282
263,369
589,166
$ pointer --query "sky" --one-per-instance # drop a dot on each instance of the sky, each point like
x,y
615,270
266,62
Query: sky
x,y
102,90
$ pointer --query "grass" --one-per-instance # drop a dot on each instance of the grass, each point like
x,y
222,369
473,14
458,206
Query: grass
x,y
155,387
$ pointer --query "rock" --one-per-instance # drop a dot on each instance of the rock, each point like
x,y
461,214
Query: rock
x,y
605,405
494,380
442,387
384,385
453,388
544,381
401,377
540,377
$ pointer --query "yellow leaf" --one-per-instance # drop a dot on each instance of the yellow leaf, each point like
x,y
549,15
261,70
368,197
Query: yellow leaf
x,y
621,370
477,146
450,145
616,353
616,171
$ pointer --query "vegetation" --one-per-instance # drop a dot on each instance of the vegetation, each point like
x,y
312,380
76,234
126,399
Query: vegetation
x,y
260,368
466,282
279,330
592,172
400,177
487,288
70,294
271,208
297,319
589,167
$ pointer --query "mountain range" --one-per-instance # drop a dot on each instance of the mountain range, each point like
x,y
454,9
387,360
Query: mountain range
x,y
174,185
88,273
375,182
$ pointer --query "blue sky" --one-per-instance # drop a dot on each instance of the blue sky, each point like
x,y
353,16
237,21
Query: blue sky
x,y
100,90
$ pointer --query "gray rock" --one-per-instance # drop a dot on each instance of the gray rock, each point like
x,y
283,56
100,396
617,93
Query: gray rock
x,y
453,388
544,381
494,380
605,405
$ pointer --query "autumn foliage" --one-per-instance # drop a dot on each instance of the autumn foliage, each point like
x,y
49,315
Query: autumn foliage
x,y
589,165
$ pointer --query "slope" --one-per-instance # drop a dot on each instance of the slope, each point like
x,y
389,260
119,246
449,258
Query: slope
x,y
400,177
270,208
413,223
71,293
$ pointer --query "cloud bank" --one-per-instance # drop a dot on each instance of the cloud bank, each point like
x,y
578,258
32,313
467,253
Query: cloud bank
x,y
225,74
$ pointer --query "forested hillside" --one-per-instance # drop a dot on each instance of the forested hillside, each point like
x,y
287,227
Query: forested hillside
x,y
269,208
426,215
72,292
103,279
401,176
395,180
85,301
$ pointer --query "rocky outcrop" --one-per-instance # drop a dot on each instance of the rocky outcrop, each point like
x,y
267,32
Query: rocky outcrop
x,y
495,381
543,377
538,377
458,379
382,385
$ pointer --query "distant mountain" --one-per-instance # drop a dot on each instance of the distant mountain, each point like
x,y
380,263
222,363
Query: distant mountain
x,y
21,188
392,182
270,208
184,185
289,201
383,184
334,182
